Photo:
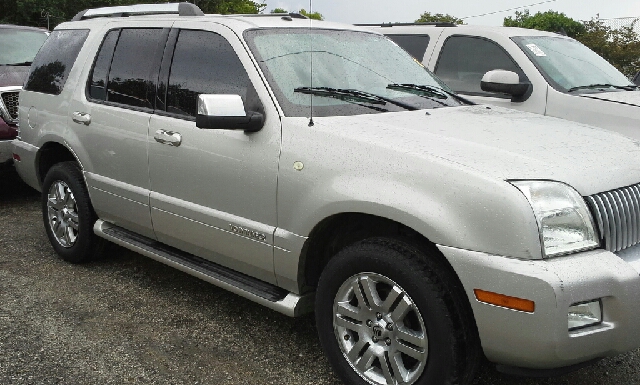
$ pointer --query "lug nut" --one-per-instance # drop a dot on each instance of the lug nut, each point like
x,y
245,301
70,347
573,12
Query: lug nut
x,y
379,316
346,337
369,323
374,339
390,326
388,341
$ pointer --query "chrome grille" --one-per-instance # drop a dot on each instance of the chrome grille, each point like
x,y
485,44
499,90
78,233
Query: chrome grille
x,y
10,100
617,215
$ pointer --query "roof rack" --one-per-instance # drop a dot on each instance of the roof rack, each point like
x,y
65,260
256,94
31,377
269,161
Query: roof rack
x,y
435,24
181,9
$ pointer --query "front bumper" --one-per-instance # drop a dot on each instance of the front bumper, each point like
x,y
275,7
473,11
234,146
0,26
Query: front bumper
x,y
541,340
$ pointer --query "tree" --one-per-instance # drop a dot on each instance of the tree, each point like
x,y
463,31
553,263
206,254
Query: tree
x,y
427,17
621,47
303,12
34,12
546,21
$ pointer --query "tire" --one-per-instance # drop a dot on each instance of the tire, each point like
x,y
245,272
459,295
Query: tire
x,y
386,313
68,215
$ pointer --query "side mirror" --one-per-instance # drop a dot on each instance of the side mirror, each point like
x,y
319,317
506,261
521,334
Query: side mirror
x,y
636,79
506,82
226,112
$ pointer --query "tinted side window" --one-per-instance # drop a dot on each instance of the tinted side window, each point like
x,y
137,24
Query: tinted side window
x,y
134,68
416,45
54,61
98,78
464,61
205,63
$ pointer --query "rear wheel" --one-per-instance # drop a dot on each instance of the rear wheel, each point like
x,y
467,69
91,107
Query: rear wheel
x,y
68,215
386,315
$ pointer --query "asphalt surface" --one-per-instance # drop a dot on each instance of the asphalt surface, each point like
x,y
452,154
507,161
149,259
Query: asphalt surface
x,y
126,319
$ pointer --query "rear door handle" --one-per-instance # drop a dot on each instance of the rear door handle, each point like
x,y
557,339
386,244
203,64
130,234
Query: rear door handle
x,y
168,137
81,117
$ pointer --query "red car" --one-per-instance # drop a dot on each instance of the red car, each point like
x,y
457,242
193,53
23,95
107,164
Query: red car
x,y
18,47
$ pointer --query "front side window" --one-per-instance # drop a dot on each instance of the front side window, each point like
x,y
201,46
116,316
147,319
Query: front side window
x,y
54,61
568,65
19,46
134,68
353,73
205,63
464,60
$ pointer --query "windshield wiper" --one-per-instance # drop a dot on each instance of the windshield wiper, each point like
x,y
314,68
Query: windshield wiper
x,y
428,91
627,88
25,63
352,95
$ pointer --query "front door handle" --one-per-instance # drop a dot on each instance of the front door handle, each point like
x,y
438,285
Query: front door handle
x,y
81,117
168,137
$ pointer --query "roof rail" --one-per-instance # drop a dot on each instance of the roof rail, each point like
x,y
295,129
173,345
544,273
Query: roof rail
x,y
435,24
181,9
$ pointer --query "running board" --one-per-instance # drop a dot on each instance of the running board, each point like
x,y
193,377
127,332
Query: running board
x,y
245,286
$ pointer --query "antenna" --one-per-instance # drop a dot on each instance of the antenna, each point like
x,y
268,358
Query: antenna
x,y
311,73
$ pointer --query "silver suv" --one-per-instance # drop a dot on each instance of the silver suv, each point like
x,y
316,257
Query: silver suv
x,y
315,166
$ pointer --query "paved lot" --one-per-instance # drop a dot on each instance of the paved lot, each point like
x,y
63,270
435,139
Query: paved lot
x,y
128,319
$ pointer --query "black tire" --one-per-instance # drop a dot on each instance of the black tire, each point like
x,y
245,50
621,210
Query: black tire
x,y
75,245
452,348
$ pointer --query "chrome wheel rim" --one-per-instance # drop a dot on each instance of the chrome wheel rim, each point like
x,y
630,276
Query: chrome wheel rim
x,y
62,212
379,329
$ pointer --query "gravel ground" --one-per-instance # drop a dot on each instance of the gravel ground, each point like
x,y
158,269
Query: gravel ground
x,y
127,319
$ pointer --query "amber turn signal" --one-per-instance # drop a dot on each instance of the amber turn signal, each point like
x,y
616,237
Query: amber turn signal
x,y
502,300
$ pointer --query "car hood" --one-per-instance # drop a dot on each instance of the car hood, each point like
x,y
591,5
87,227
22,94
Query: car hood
x,y
505,144
13,75
624,97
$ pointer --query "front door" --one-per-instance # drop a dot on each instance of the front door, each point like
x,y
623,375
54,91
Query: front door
x,y
214,193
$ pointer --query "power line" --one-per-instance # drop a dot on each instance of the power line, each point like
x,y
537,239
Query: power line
x,y
510,9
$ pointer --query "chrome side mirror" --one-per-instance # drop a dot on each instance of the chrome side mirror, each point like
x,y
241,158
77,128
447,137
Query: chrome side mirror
x,y
506,82
226,112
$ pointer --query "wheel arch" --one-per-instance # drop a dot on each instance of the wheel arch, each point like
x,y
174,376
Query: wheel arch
x,y
51,153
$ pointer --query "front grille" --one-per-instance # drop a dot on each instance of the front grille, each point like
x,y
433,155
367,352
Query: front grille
x,y
617,215
10,100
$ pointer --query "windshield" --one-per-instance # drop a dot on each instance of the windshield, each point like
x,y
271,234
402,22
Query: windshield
x,y
19,46
569,65
353,73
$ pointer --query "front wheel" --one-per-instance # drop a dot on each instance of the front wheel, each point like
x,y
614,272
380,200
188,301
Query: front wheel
x,y
386,315
68,215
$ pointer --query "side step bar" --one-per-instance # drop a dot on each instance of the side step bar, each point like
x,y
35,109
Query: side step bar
x,y
248,287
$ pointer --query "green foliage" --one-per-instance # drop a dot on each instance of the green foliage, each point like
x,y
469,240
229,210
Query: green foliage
x,y
545,21
312,15
427,17
621,47
33,12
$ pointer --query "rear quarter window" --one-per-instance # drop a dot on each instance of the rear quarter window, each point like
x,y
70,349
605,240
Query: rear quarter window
x,y
416,45
54,61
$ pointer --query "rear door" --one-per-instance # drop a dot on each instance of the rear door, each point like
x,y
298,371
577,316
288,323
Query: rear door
x,y
111,114
214,194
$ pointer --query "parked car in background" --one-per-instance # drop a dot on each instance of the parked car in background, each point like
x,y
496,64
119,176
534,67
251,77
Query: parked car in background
x,y
18,46
525,69
317,166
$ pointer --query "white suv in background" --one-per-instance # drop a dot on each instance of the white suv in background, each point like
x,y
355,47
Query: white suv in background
x,y
529,70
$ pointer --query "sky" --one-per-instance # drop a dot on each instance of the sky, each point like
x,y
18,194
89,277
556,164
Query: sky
x,y
385,11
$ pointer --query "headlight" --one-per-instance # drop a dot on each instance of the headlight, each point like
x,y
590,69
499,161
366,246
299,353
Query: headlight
x,y
564,222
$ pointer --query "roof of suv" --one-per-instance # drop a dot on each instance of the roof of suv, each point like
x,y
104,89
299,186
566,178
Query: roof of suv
x,y
461,29
240,22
